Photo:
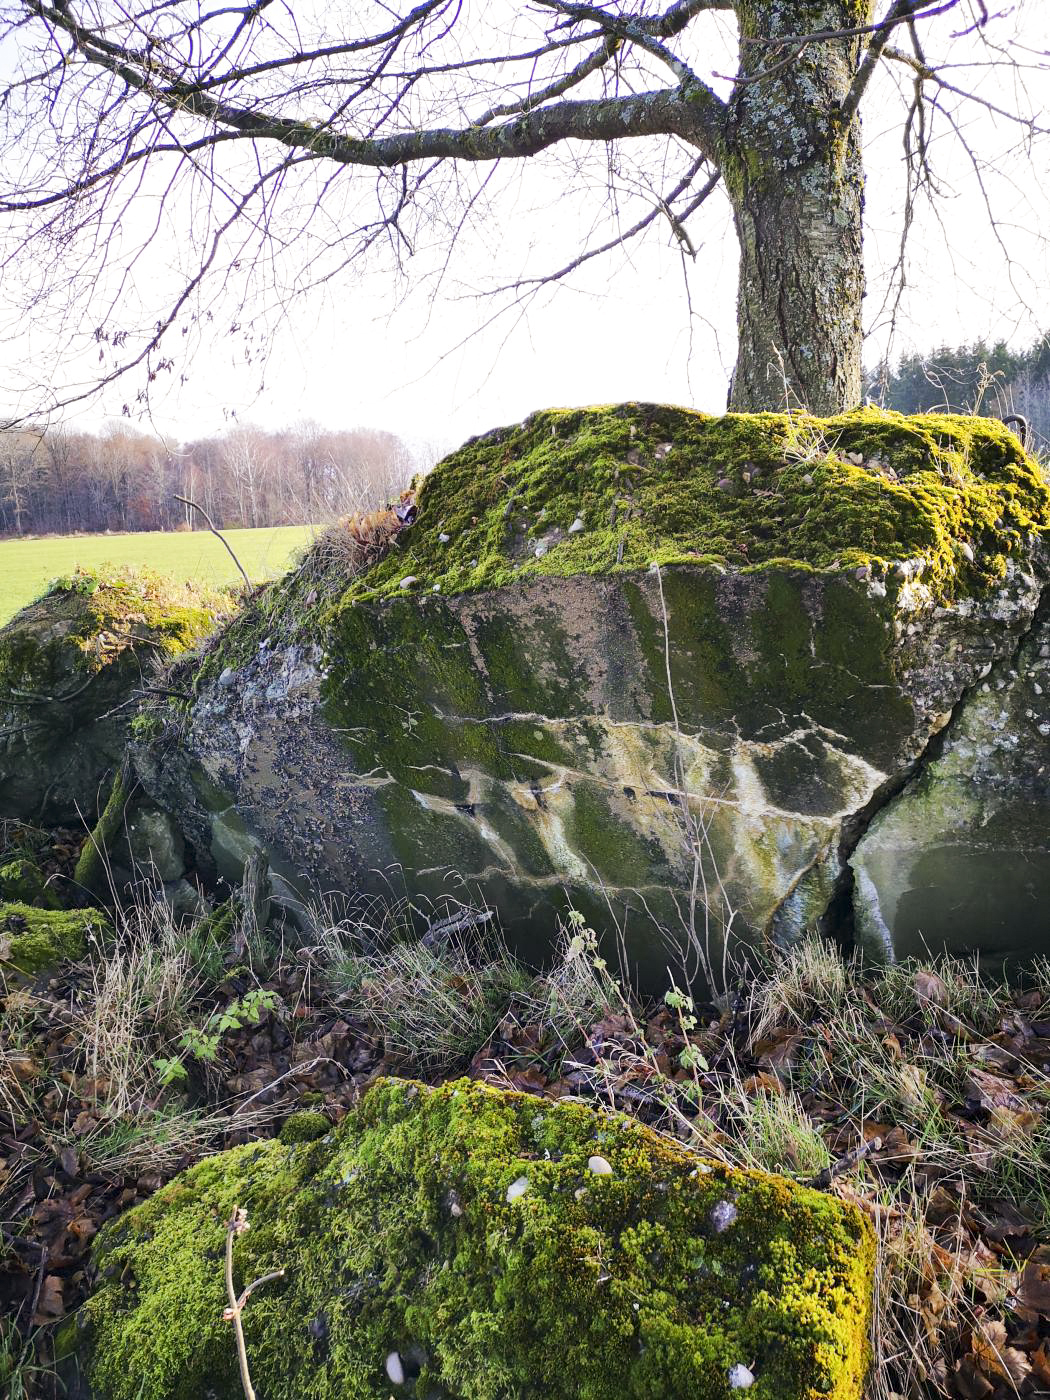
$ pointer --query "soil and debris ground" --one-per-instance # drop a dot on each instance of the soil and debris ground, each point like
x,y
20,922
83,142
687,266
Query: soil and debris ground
x,y
921,1093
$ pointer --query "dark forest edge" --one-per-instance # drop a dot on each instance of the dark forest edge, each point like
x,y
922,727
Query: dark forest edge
x,y
988,378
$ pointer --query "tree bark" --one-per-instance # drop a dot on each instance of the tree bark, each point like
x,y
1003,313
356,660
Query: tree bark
x,y
795,177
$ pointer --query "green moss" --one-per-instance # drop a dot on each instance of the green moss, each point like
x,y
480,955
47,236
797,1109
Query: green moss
x,y
24,882
91,872
87,622
645,478
653,483
616,852
396,1236
32,940
303,1127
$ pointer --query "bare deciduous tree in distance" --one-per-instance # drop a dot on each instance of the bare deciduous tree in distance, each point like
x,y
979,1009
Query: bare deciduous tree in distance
x,y
249,120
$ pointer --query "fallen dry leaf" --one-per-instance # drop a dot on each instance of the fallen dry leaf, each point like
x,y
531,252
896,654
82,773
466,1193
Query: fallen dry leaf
x,y
931,988
995,1357
51,1303
1035,1288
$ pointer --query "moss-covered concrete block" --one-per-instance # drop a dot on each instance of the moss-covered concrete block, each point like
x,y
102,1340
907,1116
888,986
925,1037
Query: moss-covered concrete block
x,y
67,664
592,673
34,940
477,1245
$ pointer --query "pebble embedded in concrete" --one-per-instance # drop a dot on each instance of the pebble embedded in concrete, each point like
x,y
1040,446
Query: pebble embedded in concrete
x,y
517,1189
722,1216
394,1369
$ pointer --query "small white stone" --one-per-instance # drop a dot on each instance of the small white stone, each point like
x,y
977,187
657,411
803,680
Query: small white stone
x,y
740,1378
394,1369
966,551
580,1192
408,581
517,1189
662,450
435,588
443,538
576,526
542,546
599,1166
722,1215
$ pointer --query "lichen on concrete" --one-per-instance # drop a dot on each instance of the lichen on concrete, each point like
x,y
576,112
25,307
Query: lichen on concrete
x,y
456,1243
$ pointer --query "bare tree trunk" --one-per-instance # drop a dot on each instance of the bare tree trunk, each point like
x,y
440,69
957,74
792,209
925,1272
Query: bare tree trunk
x,y
796,180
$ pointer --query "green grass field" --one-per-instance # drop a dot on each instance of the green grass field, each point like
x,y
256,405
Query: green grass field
x,y
28,566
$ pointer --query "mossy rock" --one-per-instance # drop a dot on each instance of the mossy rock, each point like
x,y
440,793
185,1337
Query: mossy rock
x,y
68,662
24,882
459,1243
35,940
305,1126
644,483
623,655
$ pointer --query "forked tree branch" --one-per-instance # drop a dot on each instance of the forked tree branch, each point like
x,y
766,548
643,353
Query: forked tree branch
x,y
692,111
236,1225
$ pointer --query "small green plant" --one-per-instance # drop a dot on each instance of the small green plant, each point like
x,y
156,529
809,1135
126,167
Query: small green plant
x,y
681,1003
203,1042
77,582
22,1373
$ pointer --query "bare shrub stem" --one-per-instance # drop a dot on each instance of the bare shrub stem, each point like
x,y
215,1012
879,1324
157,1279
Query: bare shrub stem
x,y
236,1225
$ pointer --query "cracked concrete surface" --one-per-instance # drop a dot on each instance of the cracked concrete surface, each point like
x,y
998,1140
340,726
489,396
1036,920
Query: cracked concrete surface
x,y
959,856
522,747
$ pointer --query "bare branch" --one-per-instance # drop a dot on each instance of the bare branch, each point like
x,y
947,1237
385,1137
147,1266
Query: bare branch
x,y
185,500
900,12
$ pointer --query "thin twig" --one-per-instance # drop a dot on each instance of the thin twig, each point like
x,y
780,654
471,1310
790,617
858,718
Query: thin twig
x,y
823,1179
185,500
295,1069
236,1225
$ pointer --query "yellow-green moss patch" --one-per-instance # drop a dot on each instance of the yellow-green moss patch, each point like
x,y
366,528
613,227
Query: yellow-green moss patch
x,y
476,1245
605,489
86,621
24,882
32,940
70,665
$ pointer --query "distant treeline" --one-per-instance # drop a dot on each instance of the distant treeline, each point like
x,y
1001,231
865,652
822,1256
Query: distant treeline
x,y
55,481
979,378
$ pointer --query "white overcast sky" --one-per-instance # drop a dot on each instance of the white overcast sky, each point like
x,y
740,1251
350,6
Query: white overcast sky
x,y
370,352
